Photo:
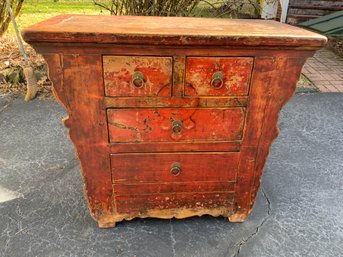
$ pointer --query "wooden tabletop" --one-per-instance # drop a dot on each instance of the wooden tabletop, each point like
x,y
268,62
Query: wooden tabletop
x,y
170,31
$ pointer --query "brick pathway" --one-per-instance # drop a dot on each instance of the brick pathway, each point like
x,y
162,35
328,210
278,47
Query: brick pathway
x,y
325,70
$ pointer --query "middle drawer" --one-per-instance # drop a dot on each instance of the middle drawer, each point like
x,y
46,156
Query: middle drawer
x,y
136,168
169,124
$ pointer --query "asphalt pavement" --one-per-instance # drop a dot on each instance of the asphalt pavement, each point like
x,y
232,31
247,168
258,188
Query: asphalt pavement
x,y
298,212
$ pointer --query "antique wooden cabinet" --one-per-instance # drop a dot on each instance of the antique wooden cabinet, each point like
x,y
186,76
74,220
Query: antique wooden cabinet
x,y
171,117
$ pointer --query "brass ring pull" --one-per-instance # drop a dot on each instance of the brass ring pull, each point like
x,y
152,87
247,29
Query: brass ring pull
x,y
217,80
138,79
177,127
175,169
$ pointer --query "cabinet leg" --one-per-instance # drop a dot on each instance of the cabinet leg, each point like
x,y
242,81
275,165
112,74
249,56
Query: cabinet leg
x,y
102,224
238,217
107,221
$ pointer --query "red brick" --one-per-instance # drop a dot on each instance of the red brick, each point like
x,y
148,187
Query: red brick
x,y
322,69
311,70
337,82
328,76
323,89
325,70
316,77
336,76
322,82
340,89
332,88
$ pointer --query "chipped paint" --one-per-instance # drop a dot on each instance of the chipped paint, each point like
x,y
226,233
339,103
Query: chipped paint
x,y
236,70
119,70
155,125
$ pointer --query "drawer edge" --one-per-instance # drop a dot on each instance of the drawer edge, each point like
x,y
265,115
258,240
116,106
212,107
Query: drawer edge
x,y
226,146
131,189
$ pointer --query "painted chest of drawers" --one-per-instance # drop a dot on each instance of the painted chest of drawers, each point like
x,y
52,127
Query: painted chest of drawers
x,y
171,117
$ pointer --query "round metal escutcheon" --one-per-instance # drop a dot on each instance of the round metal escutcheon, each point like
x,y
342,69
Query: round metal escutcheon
x,y
138,79
175,169
217,81
177,127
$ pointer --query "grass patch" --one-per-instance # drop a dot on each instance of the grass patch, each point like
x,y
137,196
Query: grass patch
x,y
62,6
34,11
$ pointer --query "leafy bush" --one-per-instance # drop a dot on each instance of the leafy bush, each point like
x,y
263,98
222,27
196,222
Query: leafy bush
x,y
208,8
149,7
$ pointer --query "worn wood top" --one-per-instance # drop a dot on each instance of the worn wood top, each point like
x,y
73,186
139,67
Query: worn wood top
x,y
170,31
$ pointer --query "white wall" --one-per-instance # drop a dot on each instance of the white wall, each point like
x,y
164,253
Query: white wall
x,y
269,9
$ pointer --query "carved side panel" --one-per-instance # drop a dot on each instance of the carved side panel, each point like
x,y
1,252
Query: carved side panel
x,y
279,95
77,81
273,84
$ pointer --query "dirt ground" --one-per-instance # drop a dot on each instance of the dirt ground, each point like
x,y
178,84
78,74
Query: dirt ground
x,y
336,45
11,63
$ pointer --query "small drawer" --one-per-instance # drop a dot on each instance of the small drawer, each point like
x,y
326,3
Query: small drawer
x,y
175,125
174,167
216,76
137,76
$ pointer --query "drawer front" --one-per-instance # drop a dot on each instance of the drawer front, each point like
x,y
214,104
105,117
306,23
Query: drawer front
x,y
166,124
173,167
137,76
211,76
193,202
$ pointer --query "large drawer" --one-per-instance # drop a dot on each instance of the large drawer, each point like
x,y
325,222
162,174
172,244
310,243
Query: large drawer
x,y
168,125
174,167
167,181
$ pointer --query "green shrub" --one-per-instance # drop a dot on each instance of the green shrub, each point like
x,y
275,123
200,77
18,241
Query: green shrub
x,y
149,7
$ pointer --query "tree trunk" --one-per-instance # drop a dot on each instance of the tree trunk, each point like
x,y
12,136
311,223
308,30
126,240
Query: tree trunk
x,y
5,18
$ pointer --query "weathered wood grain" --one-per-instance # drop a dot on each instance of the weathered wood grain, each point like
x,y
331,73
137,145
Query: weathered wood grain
x,y
82,98
279,94
273,83
179,76
184,102
179,31
161,50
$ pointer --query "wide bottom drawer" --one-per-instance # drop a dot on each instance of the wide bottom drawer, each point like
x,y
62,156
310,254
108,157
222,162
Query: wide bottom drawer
x,y
157,182
161,202
174,167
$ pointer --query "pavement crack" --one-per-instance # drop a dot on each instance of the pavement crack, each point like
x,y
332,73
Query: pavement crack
x,y
268,201
172,238
245,240
8,102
